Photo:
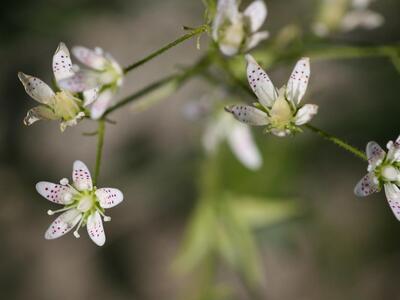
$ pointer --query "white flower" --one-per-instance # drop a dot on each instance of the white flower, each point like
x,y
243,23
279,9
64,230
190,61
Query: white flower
x,y
60,105
238,32
383,170
279,110
98,82
345,15
83,203
362,17
239,139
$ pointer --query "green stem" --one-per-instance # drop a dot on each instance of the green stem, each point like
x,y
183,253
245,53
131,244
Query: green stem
x,y
345,52
176,80
99,151
337,141
192,33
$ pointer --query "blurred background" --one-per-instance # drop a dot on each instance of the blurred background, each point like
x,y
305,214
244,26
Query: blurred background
x,y
334,246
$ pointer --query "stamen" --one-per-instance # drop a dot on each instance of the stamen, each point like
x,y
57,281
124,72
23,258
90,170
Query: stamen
x,y
105,218
64,181
76,234
52,212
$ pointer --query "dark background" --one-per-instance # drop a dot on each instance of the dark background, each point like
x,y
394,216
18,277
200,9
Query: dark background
x,y
341,248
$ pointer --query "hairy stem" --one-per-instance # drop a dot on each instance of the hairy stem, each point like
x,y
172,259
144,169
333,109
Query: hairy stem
x,y
192,33
99,151
337,141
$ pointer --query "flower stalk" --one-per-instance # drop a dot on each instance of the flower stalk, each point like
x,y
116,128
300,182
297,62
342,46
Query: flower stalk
x,y
192,33
99,151
342,144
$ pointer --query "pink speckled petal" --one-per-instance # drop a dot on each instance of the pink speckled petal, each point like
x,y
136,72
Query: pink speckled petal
x,y
63,224
81,176
62,65
109,197
248,115
366,186
260,83
56,193
393,196
36,88
95,229
298,81
375,153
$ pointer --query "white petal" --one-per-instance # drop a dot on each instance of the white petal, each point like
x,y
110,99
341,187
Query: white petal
x,y
90,96
255,39
375,154
260,83
243,146
256,13
366,186
248,115
214,133
228,49
366,19
36,88
393,196
62,65
226,9
90,58
39,113
63,224
95,229
56,193
101,104
360,4
305,114
71,122
81,176
82,80
298,81
109,197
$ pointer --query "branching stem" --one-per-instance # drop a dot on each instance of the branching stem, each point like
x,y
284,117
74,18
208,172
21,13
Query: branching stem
x,y
192,33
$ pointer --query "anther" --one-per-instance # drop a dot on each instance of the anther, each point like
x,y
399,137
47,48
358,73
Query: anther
x,y
64,181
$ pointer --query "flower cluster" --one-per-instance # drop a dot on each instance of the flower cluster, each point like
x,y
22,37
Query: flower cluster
x,y
54,105
279,110
84,204
237,32
383,171
66,103
99,80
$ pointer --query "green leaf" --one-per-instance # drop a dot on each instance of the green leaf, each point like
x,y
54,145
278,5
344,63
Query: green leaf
x,y
262,212
199,238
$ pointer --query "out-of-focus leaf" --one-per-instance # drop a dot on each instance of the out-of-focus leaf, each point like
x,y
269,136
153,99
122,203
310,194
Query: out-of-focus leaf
x,y
199,238
240,249
260,212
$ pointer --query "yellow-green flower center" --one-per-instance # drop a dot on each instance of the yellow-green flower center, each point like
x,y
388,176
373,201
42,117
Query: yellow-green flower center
x,y
65,105
281,114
